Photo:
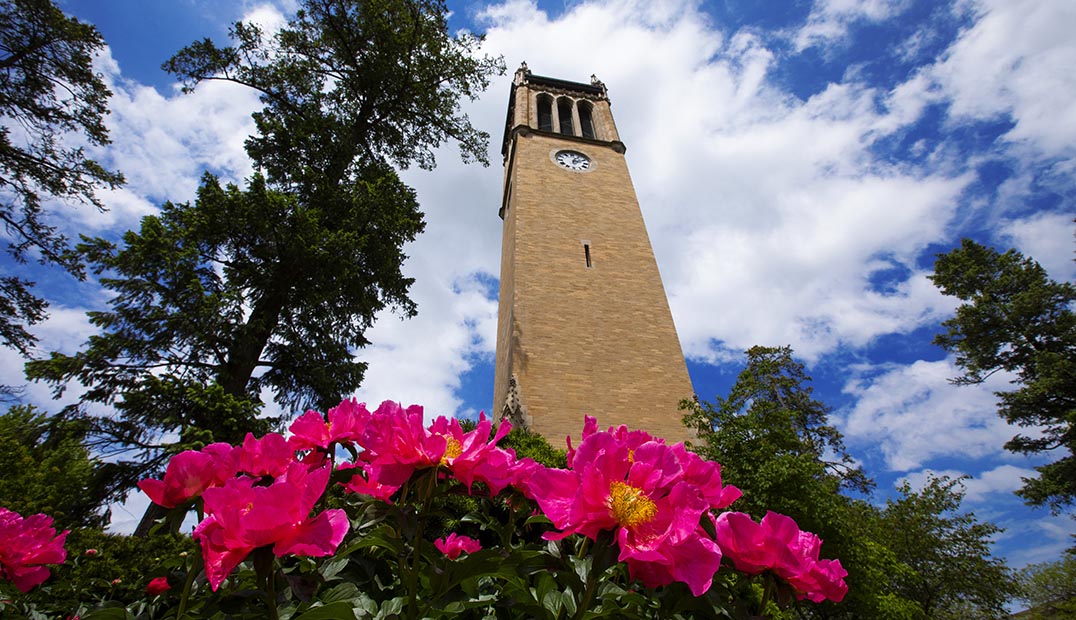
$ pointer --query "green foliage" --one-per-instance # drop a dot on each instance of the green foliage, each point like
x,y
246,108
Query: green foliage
x,y
47,469
1049,589
346,81
915,560
951,572
270,288
773,437
103,569
775,443
535,447
1015,319
48,92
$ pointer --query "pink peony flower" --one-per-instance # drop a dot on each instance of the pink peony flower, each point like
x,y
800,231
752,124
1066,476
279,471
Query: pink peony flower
x,y
158,585
268,456
365,481
521,473
627,482
779,545
474,456
26,544
397,443
706,476
190,473
630,438
241,517
798,563
344,424
452,545
743,541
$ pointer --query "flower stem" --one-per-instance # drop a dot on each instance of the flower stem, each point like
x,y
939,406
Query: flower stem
x,y
270,592
191,572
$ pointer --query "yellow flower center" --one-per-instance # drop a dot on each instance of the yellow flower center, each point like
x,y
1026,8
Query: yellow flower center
x,y
452,449
630,506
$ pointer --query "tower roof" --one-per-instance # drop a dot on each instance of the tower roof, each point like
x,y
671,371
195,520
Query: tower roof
x,y
523,77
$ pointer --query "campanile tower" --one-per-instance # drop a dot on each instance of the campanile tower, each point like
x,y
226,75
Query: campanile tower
x,y
584,327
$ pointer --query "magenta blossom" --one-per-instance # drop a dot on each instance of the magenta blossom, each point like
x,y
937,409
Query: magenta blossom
x,y
638,488
343,424
26,544
474,457
366,481
268,456
397,443
452,545
190,473
241,517
157,585
777,544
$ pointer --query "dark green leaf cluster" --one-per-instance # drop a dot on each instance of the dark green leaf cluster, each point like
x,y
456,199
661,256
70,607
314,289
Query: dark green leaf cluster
x,y
1015,319
103,569
535,447
48,92
47,469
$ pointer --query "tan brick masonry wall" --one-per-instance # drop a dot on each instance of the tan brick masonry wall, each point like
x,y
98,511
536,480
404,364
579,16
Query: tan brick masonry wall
x,y
584,341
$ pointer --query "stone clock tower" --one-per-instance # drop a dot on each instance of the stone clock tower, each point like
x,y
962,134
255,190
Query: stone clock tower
x,y
584,326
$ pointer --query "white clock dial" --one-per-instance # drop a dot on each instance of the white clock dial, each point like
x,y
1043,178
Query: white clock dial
x,y
573,160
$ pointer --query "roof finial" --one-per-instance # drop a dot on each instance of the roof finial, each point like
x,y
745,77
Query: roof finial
x,y
521,73
594,81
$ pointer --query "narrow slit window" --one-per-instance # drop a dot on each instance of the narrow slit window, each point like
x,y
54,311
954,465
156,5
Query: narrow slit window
x,y
586,255
545,113
586,122
564,111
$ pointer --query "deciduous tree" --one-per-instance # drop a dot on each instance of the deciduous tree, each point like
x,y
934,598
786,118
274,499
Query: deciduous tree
x,y
917,559
952,573
50,100
774,441
1049,589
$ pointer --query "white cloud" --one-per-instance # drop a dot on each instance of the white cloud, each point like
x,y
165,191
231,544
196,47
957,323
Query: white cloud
x,y
163,143
65,330
1016,61
913,415
421,360
991,485
830,19
1044,539
1048,238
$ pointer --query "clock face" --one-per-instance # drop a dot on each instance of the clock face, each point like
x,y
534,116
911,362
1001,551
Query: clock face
x,y
573,160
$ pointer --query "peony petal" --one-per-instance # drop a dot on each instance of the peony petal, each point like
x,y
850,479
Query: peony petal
x,y
316,538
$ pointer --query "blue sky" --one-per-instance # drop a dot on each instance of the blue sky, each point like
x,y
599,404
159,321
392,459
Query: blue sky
x,y
798,164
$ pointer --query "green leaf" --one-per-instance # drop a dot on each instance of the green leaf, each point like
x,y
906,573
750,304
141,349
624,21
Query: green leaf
x,y
107,613
346,591
330,569
391,607
340,610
